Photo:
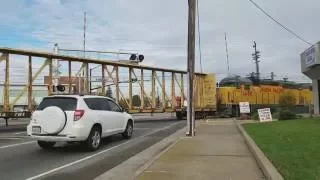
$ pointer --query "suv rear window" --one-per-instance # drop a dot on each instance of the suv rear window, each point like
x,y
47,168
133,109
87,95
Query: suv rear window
x,y
65,103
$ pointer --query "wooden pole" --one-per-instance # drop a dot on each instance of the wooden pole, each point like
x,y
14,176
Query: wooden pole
x,y
191,59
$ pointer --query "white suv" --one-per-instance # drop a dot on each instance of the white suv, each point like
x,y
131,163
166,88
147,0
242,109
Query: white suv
x,y
76,118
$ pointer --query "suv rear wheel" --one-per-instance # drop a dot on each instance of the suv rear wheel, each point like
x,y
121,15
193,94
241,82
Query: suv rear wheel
x,y
94,139
46,145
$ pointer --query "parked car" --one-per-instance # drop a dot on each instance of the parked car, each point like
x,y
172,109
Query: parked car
x,y
76,118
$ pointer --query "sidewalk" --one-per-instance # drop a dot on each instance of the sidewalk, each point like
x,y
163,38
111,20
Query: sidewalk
x,y
218,151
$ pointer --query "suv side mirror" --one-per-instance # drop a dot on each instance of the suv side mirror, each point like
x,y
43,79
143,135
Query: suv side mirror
x,y
124,109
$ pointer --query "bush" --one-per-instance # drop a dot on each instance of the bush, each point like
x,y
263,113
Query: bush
x,y
286,115
255,116
287,101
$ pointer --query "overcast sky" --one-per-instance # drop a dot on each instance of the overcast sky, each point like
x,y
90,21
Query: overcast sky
x,y
158,29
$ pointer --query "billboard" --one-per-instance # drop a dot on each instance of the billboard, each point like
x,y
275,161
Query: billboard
x,y
310,57
310,61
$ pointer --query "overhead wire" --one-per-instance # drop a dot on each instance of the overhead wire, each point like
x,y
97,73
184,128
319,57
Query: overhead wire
x,y
199,35
276,21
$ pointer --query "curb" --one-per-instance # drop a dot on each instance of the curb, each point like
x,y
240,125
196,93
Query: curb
x,y
134,166
265,164
151,121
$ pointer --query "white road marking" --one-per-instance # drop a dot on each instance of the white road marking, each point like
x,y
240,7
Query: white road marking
x,y
9,138
143,128
18,144
91,156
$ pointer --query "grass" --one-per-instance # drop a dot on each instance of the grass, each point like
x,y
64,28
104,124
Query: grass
x,y
292,146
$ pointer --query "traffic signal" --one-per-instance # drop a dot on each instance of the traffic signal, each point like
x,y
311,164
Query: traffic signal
x,y
135,57
61,88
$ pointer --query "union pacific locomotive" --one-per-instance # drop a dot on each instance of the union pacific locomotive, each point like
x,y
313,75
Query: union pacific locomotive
x,y
266,93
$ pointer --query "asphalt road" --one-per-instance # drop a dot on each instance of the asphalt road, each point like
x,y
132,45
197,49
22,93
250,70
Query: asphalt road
x,y
21,158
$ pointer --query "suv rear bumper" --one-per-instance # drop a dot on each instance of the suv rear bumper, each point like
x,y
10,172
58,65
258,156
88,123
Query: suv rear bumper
x,y
57,138
78,134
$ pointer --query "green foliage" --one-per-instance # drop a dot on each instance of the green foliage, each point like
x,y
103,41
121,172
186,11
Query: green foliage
x,y
136,101
287,101
286,114
255,116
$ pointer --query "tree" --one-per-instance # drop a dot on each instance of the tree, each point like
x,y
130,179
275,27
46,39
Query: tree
x,y
109,92
136,100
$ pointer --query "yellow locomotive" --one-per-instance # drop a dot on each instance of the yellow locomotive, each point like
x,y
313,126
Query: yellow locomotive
x,y
235,89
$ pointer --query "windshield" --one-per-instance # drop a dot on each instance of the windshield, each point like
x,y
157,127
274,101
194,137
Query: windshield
x,y
65,103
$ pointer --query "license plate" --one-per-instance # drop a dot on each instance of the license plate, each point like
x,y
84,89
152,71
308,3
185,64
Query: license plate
x,y
36,130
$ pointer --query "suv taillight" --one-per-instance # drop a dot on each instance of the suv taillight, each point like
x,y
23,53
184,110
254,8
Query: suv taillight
x,y
78,114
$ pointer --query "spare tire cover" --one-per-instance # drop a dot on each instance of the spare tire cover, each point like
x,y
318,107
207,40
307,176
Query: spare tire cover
x,y
52,120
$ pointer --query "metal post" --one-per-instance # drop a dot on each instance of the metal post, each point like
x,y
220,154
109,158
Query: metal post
x,y
70,78
191,58
90,80
142,89
30,103
153,79
103,79
173,92
117,83
182,90
164,91
49,61
130,88
6,85
86,81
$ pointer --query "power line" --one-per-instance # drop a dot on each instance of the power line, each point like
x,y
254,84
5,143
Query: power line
x,y
227,54
199,36
276,21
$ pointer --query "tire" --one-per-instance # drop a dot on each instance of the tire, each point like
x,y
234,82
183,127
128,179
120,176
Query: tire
x,y
129,131
46,145
94,139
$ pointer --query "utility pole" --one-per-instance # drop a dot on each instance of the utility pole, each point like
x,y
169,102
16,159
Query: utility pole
x,y
255,57
191,63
